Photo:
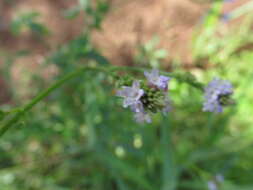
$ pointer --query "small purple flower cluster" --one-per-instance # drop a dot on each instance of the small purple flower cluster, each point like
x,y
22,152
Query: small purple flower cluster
x,y
132,96
157,80
216,94
146,97
225,17
150,96
215,182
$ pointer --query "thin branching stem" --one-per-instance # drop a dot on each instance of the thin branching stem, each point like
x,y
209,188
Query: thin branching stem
x,y
181,77
109,70
43,94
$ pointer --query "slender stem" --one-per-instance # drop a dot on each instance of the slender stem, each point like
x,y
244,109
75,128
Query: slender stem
x,y
21,111
15,110
45,93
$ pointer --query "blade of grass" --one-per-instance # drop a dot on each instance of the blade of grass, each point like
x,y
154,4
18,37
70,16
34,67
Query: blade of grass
x,y
169,172
123,169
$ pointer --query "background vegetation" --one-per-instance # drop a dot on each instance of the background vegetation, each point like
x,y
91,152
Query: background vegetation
x,y
81,138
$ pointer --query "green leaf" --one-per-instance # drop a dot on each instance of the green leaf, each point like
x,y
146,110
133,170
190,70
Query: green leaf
x,y
97,57
84,4
169,172
160,54
2,115
72,13
124,169
38,28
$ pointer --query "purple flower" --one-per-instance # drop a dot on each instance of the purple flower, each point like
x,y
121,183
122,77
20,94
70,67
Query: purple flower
x,y
142,117
137,107
216,89
132,96
212,185
159,81
219,178
225,17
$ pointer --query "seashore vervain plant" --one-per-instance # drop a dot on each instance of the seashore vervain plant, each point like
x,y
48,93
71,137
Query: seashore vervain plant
x,y
79,139
144,97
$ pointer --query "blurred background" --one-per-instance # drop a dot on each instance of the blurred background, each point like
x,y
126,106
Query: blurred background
x,y
80,137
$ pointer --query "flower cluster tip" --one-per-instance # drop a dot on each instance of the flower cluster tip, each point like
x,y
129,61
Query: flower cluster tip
x,y
149,96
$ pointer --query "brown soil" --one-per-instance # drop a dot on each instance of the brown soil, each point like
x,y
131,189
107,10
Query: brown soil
x,y
128,24
133,23
136,22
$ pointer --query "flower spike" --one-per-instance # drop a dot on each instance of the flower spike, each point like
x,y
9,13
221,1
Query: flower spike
x,y
217,94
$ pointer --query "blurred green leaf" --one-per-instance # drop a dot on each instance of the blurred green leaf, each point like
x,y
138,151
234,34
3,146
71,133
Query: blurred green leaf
x,y
72,13
28,20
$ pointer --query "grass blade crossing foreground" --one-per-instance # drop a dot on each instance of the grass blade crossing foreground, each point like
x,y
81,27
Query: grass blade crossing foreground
x,y
125,170
169,173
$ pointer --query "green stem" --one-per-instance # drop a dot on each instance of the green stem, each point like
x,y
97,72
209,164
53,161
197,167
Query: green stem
x,y
21,111
43,94
15,110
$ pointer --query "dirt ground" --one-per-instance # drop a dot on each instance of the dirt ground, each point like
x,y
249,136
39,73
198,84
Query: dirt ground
x,y
134,22
128,24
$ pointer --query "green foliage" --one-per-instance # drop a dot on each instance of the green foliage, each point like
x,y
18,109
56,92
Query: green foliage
x,y
80,137
28,21
149,54
95,11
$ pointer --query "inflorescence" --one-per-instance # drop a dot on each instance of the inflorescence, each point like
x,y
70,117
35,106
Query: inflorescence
x,y
149,96
217,95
